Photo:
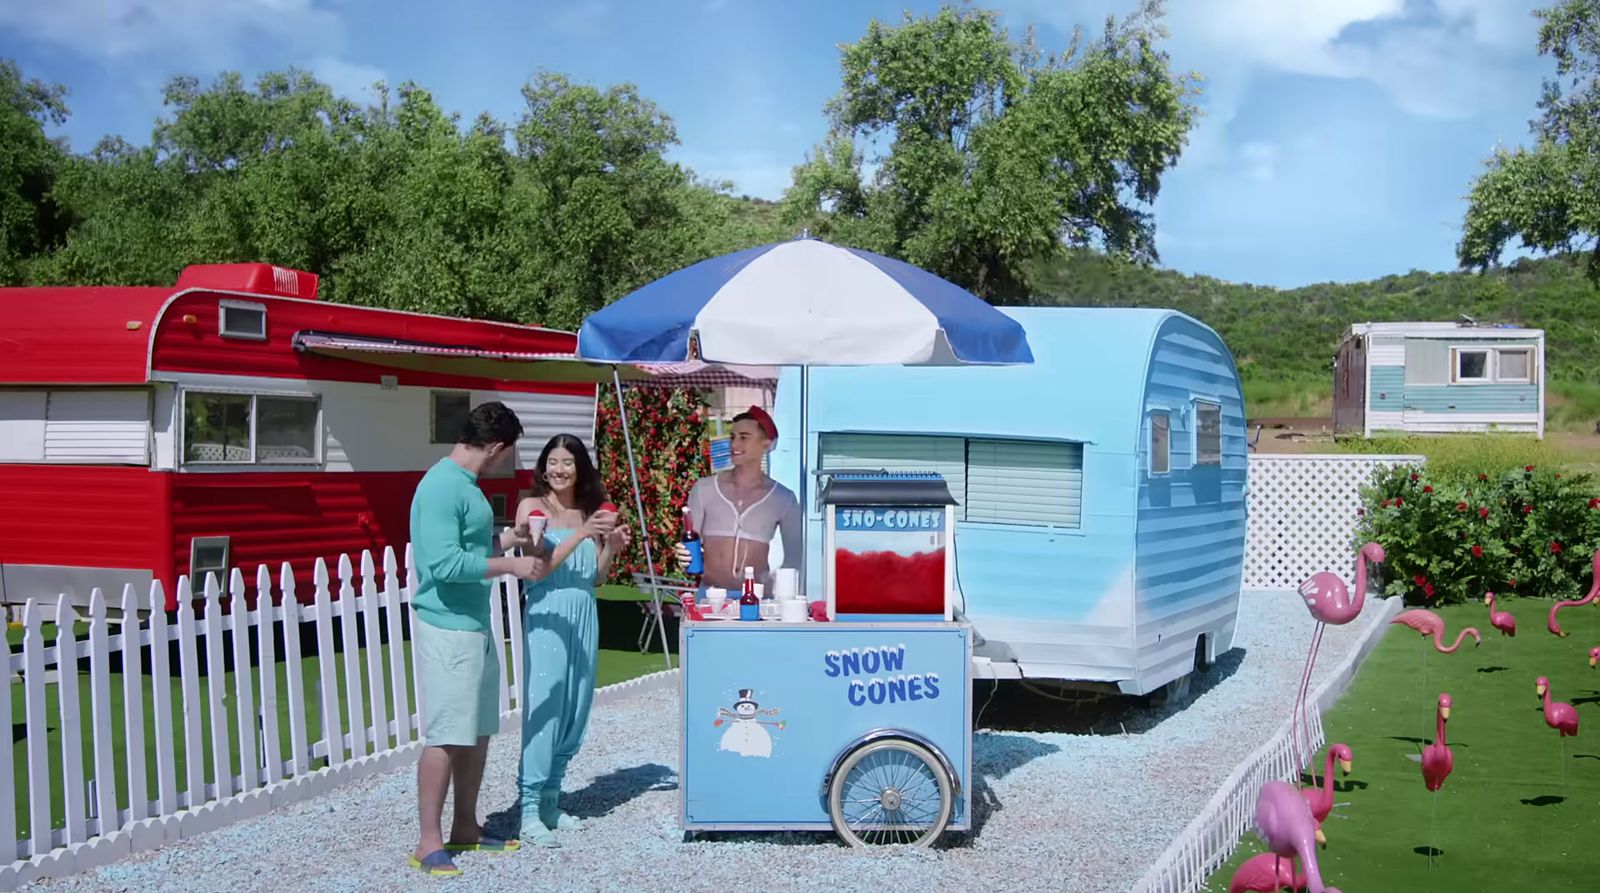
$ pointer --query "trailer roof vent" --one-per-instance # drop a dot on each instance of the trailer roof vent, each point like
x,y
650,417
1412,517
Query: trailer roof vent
x,y
260,279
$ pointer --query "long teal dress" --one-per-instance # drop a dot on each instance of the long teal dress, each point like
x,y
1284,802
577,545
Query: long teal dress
x,y
561,639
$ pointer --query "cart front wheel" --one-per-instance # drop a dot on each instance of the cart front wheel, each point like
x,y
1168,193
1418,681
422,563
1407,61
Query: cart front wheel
x,y
890,791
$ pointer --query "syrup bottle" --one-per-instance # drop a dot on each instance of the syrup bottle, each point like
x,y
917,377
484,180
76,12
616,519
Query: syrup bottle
x,y
749,605
691,541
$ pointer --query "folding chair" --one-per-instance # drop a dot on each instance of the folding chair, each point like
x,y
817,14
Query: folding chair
x,y
672,591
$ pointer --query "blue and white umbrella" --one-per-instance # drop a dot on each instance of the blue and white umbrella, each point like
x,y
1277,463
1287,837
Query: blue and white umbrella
x,y
803,303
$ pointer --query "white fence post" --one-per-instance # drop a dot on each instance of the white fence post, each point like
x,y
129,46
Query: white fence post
x,y
105,772
8,794
497,631
411,612
71,719
216,684
375,675
194,759
267,664
392,608
161,699
327,666
133,706
294,677
34,705
243,682
349,622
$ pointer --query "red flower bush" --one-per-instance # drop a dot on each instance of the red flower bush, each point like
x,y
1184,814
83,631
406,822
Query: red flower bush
x,y
668,428
1534,527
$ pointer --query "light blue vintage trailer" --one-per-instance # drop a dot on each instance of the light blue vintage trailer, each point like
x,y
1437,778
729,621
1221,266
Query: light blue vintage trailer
x,y
1100,533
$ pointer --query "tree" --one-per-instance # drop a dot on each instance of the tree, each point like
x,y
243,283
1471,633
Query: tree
x,y
997,156
31,221
1548,196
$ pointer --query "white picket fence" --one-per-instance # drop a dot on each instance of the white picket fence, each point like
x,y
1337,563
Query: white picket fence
x,y
377,730
1210,839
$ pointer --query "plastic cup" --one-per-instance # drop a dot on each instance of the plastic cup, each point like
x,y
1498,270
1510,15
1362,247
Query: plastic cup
x,y
716,597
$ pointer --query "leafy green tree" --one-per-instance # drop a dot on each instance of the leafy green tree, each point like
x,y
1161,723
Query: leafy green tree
x,y
31,221
998,156
1548,196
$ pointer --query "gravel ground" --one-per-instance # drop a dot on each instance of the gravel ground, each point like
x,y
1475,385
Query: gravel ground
x,y
1088,806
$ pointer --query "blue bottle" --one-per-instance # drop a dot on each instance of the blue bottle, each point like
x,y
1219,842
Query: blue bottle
x,y
749,605
691,541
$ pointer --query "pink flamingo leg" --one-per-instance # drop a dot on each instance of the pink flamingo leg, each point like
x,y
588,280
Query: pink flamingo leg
x,y
1305,687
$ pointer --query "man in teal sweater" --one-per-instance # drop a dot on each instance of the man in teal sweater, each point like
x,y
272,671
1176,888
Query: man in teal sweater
x,y
455,552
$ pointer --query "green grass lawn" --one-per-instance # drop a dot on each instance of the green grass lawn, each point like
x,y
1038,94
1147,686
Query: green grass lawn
x,y
1519,809
616,665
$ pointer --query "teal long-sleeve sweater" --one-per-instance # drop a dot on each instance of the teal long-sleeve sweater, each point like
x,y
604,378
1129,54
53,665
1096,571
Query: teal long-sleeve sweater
x,y
452,536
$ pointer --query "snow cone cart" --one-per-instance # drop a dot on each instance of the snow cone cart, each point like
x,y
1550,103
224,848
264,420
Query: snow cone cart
x,y
861,723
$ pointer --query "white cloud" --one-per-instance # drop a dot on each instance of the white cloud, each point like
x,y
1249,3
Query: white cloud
x,y
194,35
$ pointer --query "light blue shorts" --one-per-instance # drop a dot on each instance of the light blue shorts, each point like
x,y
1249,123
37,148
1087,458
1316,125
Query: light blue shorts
x,y
458,674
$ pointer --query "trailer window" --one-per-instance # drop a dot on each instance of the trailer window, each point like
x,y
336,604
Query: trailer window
x,y
1515,365
450,411
1207,433
242,319
1469,365
243,429
1160,443
208,555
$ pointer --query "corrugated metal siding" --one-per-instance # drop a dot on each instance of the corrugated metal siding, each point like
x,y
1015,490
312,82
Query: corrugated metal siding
x,y
544,416
103,427
899,452
298,517
49,508
22,426
1473,398
1189,543
1025,482
1388,388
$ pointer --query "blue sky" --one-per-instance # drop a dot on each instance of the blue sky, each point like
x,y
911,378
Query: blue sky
x,y
1338,140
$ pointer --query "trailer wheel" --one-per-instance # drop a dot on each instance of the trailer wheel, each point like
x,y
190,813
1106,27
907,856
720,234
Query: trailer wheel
x,y
890,791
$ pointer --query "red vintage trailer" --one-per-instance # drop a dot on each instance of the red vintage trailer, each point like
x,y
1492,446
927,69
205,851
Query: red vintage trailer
x,y
232,420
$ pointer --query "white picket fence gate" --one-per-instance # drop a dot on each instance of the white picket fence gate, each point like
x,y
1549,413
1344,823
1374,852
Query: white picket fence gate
x,y
1302,518
377,730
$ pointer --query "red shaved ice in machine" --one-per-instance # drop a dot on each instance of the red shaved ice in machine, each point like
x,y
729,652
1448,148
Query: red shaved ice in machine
x,y
887,546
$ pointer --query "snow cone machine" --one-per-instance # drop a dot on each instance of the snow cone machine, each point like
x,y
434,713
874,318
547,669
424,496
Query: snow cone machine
x,y
861,724
888,546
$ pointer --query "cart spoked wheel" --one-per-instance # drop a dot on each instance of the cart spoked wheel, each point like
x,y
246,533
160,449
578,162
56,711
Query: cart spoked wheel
x,y
890,791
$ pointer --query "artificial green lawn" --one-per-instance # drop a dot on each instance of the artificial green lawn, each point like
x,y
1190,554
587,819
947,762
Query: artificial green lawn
x,y
1520,810
616,665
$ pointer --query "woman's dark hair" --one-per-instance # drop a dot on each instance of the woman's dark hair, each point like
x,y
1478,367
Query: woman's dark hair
x,y
590,491
491,422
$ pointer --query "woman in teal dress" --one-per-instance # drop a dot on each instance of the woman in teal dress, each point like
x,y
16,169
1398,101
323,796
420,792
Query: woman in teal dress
x,y
560,630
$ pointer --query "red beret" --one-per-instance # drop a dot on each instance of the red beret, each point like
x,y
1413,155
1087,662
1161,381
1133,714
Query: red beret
x,y
760,416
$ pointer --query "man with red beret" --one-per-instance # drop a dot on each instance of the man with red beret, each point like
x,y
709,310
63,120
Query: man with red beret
x,y
738,511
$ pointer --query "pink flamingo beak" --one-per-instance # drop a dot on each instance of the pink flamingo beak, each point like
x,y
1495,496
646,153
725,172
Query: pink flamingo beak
x,y
1322,839
1344,766
1445,712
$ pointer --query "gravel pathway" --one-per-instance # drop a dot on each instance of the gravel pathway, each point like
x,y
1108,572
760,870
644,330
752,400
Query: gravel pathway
x,y
1084,809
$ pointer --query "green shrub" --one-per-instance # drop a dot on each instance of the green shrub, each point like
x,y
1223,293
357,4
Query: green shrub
x,y
1452,537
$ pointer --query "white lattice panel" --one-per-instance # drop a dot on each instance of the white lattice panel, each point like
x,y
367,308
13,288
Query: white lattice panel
x,y
1303,515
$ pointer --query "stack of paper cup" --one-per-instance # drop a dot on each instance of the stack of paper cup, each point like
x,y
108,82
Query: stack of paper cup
x,y
716,597
794,610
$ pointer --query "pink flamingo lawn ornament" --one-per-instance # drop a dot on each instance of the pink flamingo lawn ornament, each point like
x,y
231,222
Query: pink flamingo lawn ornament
x,y
1266,873
1428,624
1321,799
1500,620
1284,823
1594,592
1561,716
1437,760
1329,603
1594,658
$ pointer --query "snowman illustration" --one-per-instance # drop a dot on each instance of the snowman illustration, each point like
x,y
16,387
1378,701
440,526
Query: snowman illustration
x,y
745,735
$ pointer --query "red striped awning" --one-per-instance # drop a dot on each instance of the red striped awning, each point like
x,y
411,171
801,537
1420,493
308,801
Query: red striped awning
x,y
525,366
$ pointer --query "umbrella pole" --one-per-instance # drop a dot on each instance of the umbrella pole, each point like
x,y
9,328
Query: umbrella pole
x,y
805,475
638,505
